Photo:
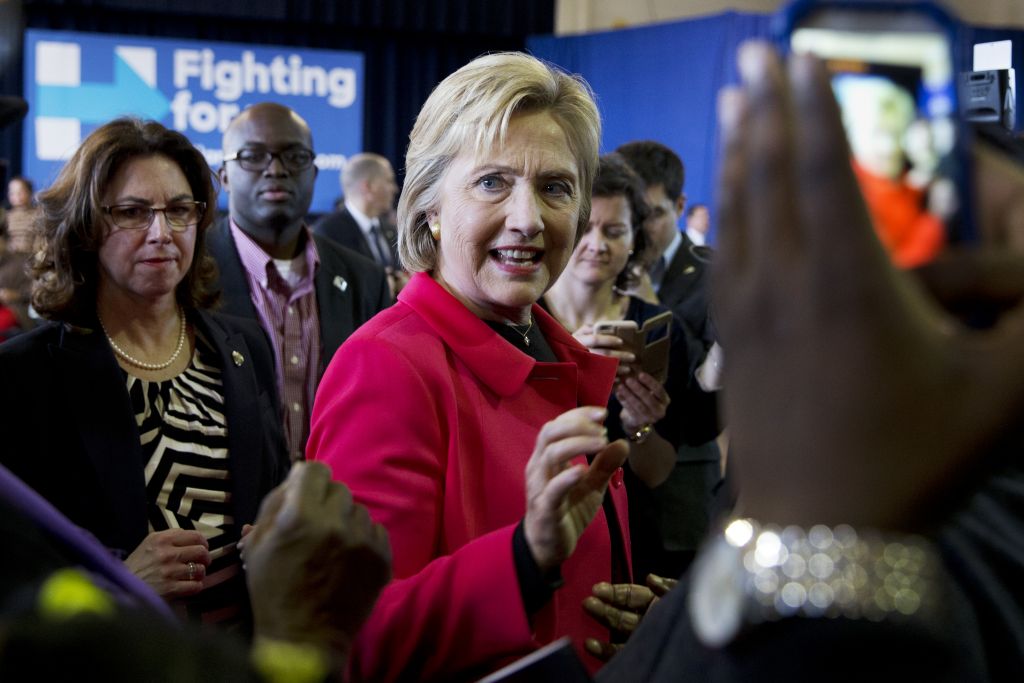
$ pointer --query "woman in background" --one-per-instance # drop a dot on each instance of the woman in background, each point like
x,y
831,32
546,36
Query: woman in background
x,y
649,413
145,419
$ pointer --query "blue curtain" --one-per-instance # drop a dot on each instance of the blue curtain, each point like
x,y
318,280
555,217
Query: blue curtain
x,y
661,82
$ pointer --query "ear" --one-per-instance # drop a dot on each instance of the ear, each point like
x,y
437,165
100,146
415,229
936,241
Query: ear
x,y
680,204
222,176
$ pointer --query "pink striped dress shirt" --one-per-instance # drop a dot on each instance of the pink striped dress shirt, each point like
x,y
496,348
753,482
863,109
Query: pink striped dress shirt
x,y
292,321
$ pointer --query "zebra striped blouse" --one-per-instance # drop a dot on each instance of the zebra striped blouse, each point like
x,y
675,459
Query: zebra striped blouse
x,y
184,440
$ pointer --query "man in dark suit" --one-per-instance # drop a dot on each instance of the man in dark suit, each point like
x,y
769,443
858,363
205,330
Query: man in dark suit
x,y
308,293
681,276
363,225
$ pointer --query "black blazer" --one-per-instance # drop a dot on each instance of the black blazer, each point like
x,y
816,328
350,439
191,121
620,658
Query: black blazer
x,y
350,289
69,431
686,287
341,227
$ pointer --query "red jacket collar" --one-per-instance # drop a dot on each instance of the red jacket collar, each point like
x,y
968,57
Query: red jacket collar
x,y
499,365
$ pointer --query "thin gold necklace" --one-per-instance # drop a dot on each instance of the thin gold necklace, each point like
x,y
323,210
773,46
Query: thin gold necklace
x,y
523,334
142,364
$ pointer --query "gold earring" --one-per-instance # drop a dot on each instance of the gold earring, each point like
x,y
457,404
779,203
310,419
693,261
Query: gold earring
x,y
435,230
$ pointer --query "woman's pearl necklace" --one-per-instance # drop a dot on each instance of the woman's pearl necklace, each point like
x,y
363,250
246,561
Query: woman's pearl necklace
x,y
142,364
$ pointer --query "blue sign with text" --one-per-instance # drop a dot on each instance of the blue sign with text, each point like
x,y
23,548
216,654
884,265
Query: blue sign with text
x,y
75,82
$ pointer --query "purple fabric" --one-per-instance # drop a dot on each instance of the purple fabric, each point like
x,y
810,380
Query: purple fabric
x,y
106,571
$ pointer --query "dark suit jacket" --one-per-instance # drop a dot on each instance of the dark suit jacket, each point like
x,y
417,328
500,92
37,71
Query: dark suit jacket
x,y
69,431
341,227
686,287
350,289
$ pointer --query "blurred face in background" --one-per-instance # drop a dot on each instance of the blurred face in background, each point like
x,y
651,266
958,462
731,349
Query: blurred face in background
x,y
18,194
606,244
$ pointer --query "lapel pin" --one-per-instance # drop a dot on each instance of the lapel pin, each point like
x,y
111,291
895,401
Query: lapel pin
x,y
340,283
238,358
688,270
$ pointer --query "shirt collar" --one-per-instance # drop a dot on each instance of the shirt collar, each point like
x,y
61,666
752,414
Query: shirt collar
x,y
256,262
672,248
364,221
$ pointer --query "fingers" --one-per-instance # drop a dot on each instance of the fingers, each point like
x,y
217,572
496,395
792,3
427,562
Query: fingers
x,y
611,616
550,497
604,344
967,280
661,585
178,538
601,650
568,435
767,138
305,489
732,235
605,463
624,595
644,399
826,182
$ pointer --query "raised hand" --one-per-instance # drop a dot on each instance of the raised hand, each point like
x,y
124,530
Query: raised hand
x,y
315,563
563,498
851,397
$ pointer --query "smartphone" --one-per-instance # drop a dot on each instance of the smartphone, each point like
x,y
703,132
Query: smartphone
x,y
650,343
894,74
626,330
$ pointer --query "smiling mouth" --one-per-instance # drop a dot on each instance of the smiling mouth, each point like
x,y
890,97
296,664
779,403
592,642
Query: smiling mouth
x,y
517,257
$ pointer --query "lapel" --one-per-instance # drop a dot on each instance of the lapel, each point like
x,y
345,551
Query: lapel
x,y
495,362
243,414
92,384
236,298
390,232
356,239
335,288
681,275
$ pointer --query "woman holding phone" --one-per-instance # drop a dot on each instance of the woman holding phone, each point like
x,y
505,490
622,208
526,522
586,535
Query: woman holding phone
x,y
589,300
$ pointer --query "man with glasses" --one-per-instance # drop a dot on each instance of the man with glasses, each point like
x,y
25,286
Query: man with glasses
x,y
307,292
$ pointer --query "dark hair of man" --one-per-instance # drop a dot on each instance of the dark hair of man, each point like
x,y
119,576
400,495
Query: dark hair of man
x,y
615,178
65,268
656,164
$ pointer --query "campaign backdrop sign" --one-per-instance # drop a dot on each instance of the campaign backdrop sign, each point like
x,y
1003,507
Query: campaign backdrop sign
x,y
75,82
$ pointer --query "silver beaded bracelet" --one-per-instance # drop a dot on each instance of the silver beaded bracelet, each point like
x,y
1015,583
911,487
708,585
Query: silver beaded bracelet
x,y
751,574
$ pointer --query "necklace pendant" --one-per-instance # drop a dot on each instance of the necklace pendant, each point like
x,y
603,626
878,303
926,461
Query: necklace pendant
x,y
526,340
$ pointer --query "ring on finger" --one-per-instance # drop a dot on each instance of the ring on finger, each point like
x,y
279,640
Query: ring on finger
x,y
191,571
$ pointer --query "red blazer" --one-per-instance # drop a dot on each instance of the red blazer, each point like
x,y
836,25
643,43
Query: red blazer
x,y
429,416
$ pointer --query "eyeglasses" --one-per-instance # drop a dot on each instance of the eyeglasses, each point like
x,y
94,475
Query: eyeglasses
x,y
295,159
179,216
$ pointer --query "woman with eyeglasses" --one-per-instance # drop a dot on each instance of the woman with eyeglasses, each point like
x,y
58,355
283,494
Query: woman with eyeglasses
x,y
144,418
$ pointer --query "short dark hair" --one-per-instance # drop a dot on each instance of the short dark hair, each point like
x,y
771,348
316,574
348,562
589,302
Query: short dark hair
x,y
65,267
615,178
656,164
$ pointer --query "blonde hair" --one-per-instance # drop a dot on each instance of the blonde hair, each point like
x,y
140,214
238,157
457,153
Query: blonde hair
x,y
472,109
